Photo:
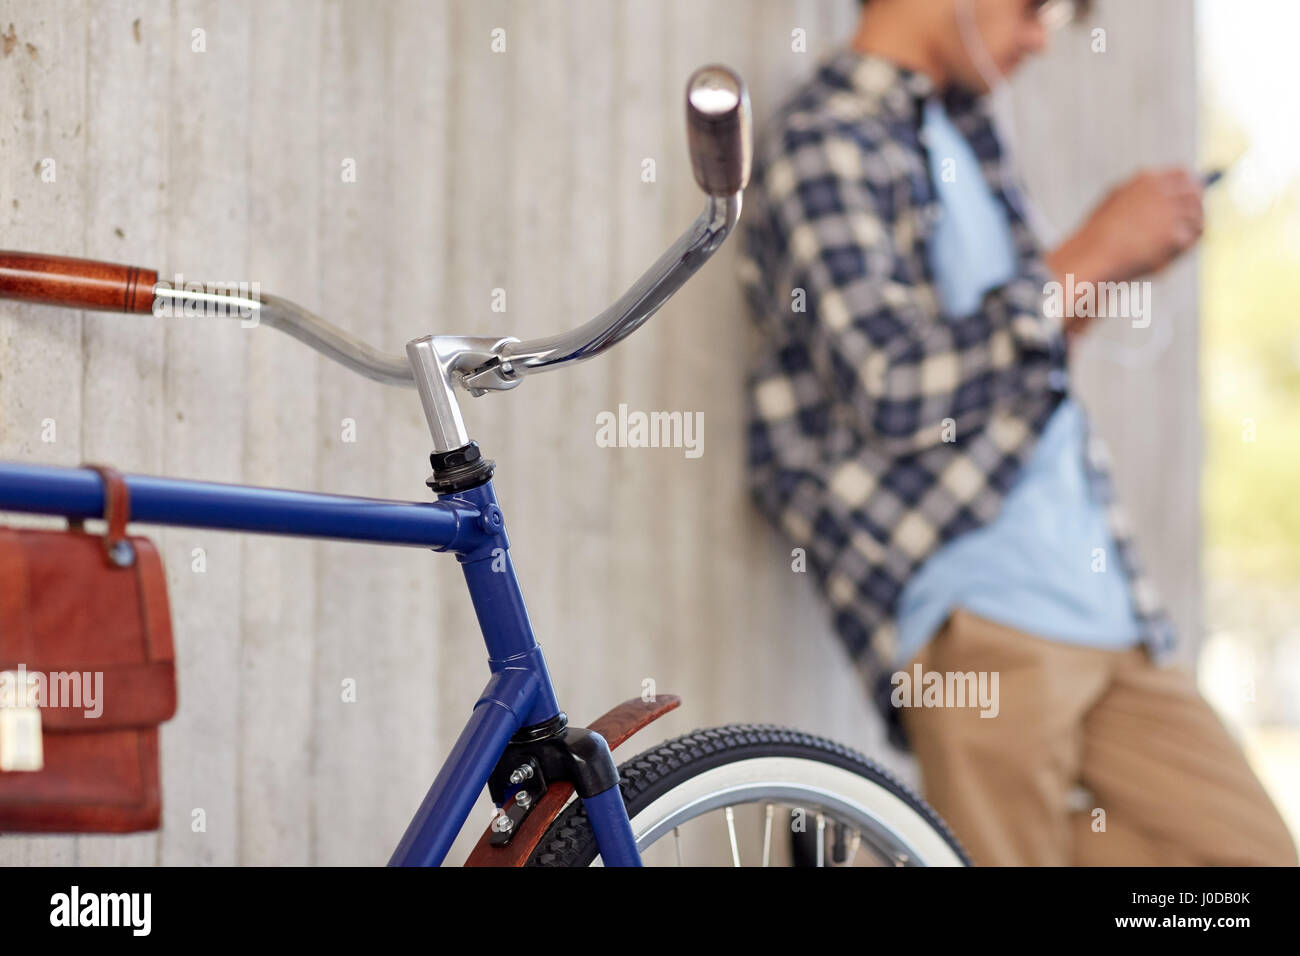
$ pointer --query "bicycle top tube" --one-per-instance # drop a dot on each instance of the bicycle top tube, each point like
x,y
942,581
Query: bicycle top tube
x,y
448,524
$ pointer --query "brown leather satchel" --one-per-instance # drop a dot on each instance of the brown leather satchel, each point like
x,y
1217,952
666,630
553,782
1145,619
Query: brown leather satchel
x,y
87,673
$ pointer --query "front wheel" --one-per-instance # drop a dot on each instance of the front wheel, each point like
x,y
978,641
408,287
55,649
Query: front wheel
x,y
759,795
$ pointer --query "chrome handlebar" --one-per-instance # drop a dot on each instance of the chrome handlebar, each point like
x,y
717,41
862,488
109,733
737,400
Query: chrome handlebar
x,y
720,139
307,327
719,134
498,364
510,359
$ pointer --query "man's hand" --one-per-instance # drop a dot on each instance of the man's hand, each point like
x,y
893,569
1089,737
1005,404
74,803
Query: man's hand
x,y
1139,228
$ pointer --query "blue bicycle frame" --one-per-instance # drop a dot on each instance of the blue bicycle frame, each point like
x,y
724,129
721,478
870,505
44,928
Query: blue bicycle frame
x,y
469,524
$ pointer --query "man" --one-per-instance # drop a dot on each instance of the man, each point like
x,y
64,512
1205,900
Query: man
x,y
913,430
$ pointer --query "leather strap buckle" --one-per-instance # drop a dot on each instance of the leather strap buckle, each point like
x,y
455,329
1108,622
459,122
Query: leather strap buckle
x,y
117,511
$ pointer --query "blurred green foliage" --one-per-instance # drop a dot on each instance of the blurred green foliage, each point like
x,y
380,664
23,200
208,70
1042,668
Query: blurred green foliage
x,y
1250,364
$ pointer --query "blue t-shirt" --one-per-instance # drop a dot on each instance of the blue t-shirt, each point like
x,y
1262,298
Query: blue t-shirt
x,y
1047,563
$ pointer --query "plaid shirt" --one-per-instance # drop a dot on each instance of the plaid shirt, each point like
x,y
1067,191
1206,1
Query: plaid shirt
x,y
879,429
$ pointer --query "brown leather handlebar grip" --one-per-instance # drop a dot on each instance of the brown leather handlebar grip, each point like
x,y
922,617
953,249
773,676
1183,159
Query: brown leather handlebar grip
x,y
76,283
719,130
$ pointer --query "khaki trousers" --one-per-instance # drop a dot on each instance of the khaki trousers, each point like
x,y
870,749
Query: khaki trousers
x,y
1170,781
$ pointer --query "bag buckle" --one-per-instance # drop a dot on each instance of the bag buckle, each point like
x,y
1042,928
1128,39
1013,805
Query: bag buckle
x,y
21,746
117,511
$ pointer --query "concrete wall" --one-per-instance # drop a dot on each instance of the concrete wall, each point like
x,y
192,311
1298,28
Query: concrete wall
x,y
475,171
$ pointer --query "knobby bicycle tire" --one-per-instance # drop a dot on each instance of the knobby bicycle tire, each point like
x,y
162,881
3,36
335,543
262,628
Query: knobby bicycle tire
x,y
651,774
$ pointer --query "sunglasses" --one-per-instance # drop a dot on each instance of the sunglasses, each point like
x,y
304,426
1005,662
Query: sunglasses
x,y
1054,14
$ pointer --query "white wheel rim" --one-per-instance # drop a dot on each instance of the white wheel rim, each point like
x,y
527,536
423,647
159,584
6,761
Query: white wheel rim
x,y
887,820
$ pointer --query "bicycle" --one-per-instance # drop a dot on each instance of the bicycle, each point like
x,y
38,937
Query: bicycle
x,y
562,800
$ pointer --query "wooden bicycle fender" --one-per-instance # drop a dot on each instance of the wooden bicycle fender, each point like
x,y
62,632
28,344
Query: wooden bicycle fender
x,y
616,726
